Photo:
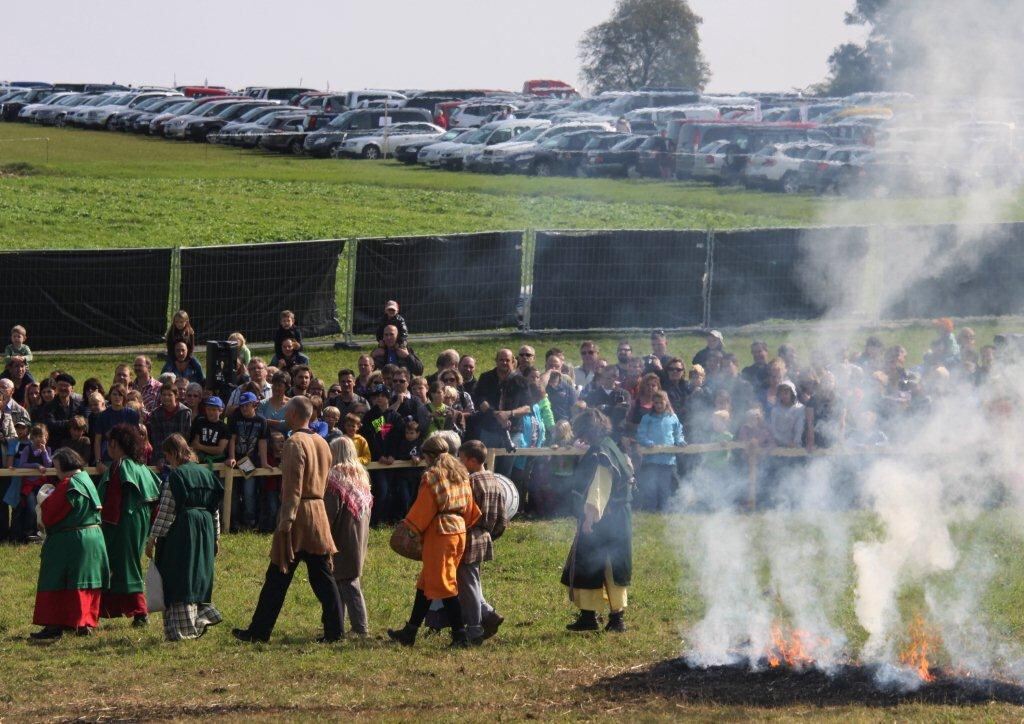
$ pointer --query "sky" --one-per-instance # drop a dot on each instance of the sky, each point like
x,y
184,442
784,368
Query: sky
x,y
751,45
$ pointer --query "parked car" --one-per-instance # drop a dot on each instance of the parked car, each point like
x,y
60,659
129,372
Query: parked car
x,y
101,116
76,116
202,91
505,157
500,132
283,126
27,111
364,121
208,126
387,140
408,151
656,153
17,99
143,119
612,156
178,126
156,126
245,130
557,156
777,166
710,162
830,168
123,121
53,114
477,113
282,95
549,89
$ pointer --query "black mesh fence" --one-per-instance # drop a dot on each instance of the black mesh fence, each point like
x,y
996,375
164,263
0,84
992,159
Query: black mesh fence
x,y
968,270
244,288
609,279
86,299
442,283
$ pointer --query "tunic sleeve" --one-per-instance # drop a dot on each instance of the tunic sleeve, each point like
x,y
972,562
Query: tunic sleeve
x,y
56,507
293,468
165,515
600,490
423,510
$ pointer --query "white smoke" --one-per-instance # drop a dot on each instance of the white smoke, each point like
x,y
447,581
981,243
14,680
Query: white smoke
x,y
940,509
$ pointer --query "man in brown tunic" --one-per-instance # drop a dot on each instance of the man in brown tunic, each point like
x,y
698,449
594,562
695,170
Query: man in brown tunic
x,y
303,530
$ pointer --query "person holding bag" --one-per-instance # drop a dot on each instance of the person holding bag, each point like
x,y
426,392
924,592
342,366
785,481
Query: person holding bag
x,y
184,539
73,565
444,509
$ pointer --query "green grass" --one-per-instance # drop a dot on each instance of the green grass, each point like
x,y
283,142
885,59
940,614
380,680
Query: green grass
x,y
90,189
533,669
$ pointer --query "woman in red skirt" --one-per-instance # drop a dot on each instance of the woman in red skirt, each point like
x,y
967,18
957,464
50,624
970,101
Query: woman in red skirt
x,y
73,566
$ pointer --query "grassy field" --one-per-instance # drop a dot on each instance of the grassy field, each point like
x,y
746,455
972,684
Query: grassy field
x,y
95,189
534,669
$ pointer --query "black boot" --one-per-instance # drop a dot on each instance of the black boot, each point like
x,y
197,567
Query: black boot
x,y
491,622
586,621
46,633
140,621
616,624
244,634
405,635
459,639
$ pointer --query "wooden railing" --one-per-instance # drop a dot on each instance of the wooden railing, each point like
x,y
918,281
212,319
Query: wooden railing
x,y
754,456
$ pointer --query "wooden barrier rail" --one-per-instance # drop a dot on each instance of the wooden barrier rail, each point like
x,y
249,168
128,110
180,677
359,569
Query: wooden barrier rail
x,y
754,456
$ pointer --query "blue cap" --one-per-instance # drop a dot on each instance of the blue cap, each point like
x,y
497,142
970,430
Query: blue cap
x,y
378,390
247,397
214,402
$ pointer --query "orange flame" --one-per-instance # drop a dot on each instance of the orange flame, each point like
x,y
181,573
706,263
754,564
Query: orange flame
x,y
792,650
915,652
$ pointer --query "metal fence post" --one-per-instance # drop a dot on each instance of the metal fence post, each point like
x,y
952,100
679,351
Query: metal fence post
x,y
709,276
529,245
174,287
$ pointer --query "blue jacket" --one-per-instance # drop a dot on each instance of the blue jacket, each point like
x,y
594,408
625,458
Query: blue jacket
x,y
660,430
532,424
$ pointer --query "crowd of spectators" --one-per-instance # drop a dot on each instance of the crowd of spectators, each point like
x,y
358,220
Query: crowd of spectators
x,y
388,404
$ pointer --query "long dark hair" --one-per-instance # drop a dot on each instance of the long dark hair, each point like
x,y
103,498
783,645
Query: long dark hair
x,y
129,439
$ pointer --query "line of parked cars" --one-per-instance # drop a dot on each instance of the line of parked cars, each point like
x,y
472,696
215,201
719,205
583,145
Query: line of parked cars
x,y
864,143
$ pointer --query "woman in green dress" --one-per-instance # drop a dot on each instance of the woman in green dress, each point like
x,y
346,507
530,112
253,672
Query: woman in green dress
x,y
185,538
128,490
73,566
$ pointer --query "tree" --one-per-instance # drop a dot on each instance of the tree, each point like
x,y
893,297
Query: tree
x,y
644,43
854,68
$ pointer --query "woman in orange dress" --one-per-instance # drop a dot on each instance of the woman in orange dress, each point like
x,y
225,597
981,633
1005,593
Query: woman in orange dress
x,y
443,510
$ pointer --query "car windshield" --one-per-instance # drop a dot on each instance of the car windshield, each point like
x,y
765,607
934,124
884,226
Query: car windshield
x,y
210,109
149,103
531,135
629,144
100,100
70,100
477,136
253,113
232,111
340,120
452,135
182,107
121,100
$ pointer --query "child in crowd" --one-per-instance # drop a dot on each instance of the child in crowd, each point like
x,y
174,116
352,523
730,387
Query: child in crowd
x,y
404,482
392,317
353,422
442,417
147,446
271,499
78,430
248,440
180,331
286,330
209,435
316,424
332,416
36,454
17,348
657,475
243,353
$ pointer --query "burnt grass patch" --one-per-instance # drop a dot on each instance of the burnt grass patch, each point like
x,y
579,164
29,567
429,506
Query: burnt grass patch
x,y
675,679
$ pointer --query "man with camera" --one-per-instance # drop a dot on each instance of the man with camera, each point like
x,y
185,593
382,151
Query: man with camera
x,y
501,402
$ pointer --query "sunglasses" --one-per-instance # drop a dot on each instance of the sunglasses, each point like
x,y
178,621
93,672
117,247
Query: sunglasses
x,y
588,352
675,369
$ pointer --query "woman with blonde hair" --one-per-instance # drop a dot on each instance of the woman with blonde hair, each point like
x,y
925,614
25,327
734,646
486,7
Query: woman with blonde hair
x,y
348,502
185,538
443,511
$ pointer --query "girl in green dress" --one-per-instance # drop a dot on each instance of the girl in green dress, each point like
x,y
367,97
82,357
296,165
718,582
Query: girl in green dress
x,y
128,490
184,540
73,566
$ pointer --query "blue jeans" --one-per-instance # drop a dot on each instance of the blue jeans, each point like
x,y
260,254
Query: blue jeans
x,y
380,485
